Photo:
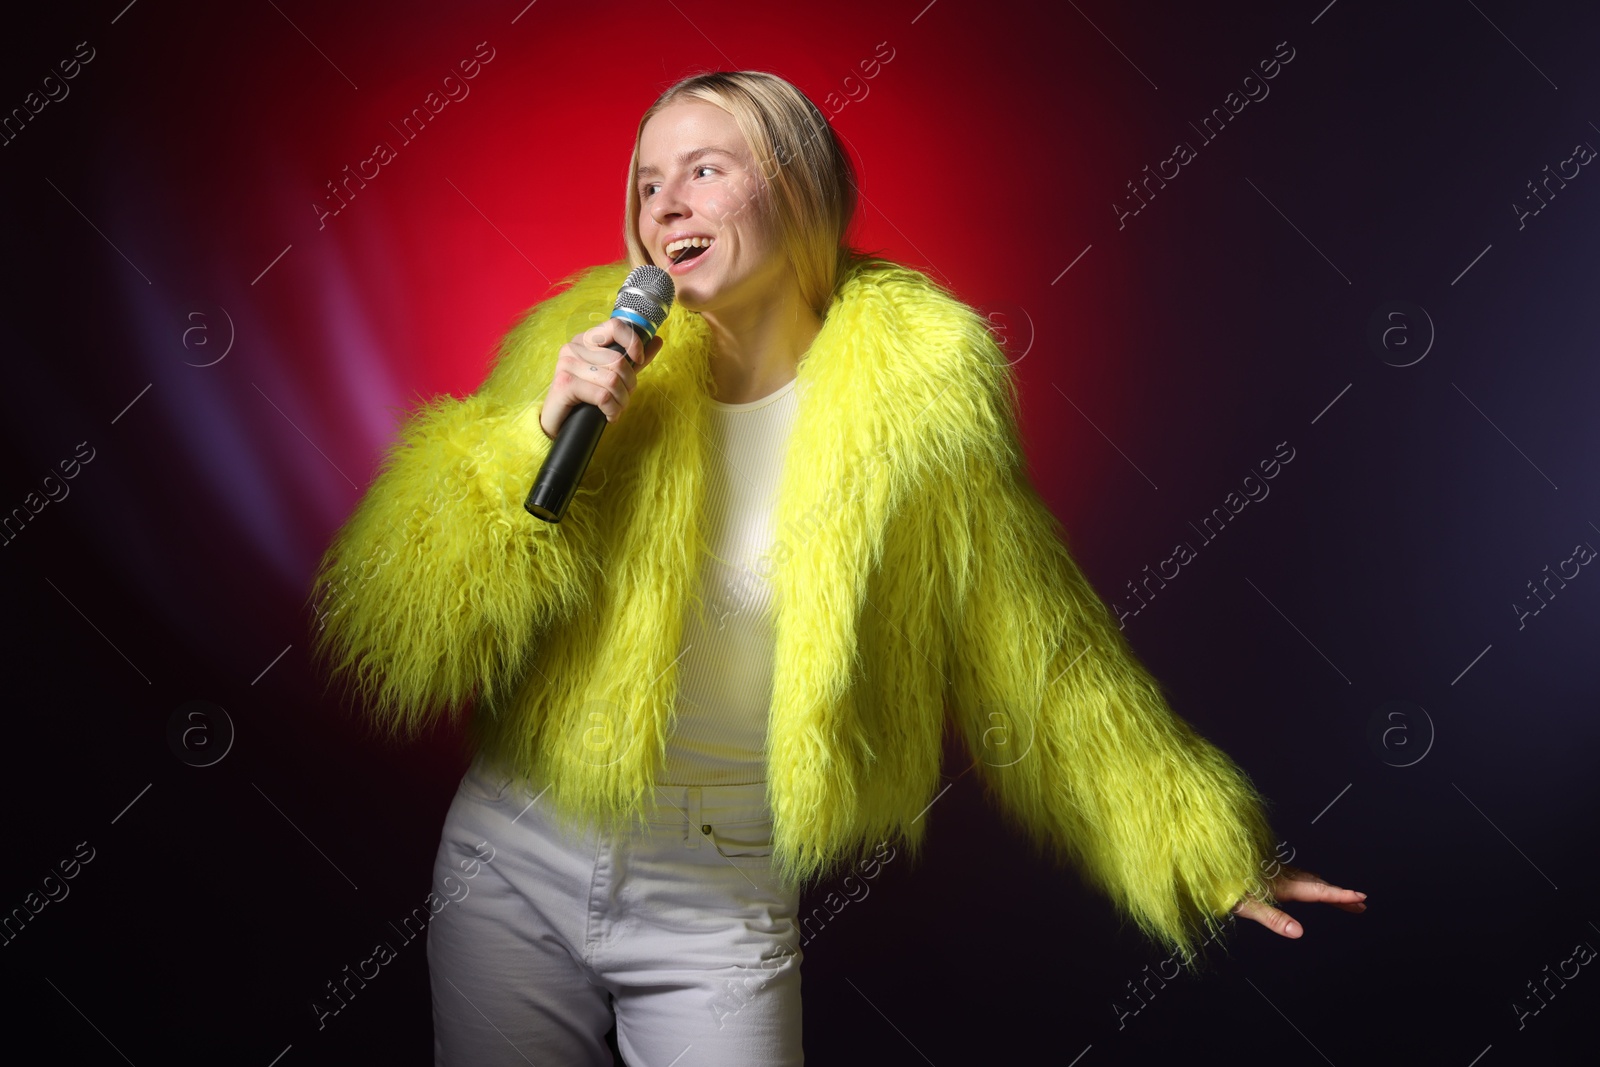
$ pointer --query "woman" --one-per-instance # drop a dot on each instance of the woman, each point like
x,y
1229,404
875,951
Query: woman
x,y
804,544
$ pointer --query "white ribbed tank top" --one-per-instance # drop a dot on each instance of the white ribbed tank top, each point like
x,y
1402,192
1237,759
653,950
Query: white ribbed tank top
x,y
719,730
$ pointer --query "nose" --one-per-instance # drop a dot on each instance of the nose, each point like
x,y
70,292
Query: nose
x,y
667,204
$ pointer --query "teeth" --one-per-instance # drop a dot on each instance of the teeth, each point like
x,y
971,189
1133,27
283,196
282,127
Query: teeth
x,y
687,242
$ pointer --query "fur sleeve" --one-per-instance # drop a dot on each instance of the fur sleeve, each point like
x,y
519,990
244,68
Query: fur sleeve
x,y
435,587
1071,735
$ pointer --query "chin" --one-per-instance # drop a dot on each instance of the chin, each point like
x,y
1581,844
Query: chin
x,y
687,292
692,295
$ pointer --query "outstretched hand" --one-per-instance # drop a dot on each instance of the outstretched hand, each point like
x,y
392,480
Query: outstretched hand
x,y
1292,883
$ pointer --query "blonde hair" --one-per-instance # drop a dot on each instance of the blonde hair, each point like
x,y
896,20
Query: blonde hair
x,y
808,181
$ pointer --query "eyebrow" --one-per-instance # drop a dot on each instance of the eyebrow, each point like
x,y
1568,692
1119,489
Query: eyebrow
x,y
685,157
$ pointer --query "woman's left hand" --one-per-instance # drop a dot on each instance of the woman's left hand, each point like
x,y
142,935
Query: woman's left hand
x,y
1292,883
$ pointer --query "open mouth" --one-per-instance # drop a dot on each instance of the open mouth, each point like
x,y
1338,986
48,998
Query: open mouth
x,y
682,258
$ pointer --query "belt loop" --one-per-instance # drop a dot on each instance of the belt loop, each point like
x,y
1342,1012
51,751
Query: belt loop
x,y
691,830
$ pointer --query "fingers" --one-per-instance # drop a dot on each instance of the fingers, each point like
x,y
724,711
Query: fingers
x,y
640,354
1295,884
604,378
1303,885
619,331
588,372
578,381
1279,922
651,349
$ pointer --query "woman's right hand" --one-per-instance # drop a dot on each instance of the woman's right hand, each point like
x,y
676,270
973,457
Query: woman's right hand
x,y
589,373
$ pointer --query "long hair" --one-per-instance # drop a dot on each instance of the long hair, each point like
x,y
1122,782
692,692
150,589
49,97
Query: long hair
x,y
809,181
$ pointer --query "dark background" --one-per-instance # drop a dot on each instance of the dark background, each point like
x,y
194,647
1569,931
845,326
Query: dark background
x,y
1354,639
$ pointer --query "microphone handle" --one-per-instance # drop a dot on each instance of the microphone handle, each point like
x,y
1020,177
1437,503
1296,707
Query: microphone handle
x,y
569,457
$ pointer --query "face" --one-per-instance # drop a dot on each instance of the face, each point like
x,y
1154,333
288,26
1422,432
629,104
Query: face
x,y
698,178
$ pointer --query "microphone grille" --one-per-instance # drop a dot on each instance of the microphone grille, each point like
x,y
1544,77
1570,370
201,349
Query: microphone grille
x,y
647,291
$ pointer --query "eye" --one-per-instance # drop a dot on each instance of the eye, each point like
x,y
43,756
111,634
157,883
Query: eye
x,y
649,188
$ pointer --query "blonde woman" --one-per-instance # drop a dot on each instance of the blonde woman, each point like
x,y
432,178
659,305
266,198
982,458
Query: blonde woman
x,y
805,542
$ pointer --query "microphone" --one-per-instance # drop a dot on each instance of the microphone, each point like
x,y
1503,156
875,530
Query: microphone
x,y
643,302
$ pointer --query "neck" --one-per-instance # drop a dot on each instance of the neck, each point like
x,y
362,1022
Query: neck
x,y
756,348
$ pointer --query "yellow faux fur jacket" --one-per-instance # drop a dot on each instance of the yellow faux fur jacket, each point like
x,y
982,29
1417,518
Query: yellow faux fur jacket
x,y
917,578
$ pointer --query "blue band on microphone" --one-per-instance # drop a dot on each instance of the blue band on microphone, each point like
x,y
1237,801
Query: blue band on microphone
x,y
643,326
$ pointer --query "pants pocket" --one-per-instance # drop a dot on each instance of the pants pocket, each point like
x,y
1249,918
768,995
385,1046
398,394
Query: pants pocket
x,y
742,840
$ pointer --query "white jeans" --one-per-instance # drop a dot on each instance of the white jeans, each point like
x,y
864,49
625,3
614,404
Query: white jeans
x,y
682,925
